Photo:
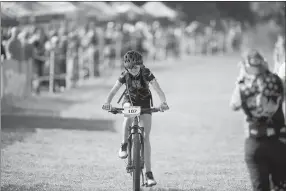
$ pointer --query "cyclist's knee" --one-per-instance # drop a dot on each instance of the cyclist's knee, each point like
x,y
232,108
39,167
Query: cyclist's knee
x,y
146,120
127,121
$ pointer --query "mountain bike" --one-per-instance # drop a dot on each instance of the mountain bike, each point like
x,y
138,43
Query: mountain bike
x,y
135,148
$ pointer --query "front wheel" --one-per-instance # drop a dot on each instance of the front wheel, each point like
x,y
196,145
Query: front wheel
x,y
136,162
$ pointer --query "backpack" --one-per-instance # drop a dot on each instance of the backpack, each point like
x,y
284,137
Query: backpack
x,y
129,81
265,87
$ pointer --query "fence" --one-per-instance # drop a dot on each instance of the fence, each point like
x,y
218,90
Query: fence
x,y
93,60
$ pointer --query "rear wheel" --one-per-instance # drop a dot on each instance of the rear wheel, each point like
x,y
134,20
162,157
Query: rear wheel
x,y
136,162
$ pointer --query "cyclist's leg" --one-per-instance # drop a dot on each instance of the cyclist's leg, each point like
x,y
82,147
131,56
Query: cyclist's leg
x,y
123,148
146,121
126,123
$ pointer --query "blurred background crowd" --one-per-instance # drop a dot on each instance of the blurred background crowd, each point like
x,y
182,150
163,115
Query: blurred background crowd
x,y
68,42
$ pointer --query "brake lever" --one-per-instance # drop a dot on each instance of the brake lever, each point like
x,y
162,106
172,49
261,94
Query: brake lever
x,y
114,112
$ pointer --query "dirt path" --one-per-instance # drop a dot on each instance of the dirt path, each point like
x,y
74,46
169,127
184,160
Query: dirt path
x,y
197,145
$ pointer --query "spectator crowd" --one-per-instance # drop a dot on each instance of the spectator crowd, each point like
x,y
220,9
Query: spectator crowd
x,y
91,50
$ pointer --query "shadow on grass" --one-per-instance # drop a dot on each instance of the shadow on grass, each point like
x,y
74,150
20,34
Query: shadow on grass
x,y
36,187
172,189
17,128
40,187
44,106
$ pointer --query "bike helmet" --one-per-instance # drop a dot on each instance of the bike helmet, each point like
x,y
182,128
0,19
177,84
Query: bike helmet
x,y
132,58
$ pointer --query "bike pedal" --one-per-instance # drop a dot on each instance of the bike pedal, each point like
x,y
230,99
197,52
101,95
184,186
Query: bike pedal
x,y
129,170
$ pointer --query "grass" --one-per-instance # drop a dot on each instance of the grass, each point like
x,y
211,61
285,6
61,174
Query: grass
x,y
197,145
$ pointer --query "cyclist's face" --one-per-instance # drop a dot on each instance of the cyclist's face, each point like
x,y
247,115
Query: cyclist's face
x,y
134,70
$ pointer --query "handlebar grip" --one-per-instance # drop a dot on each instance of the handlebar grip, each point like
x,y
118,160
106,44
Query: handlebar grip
x,y
155,109
117,109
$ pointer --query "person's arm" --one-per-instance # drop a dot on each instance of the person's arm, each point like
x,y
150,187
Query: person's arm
x,y
158,90
113,92
275,53
235,101
282,72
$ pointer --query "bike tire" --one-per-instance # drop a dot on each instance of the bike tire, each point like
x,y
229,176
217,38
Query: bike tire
x,y
136,162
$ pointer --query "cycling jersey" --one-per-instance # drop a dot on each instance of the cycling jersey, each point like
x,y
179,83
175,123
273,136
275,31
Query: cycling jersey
x,y
138,86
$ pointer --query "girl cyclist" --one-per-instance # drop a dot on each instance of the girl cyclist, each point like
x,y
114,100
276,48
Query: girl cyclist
x,y
137,79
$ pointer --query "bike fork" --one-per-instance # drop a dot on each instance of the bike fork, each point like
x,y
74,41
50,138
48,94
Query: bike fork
x,y
142,174
142,155
129,163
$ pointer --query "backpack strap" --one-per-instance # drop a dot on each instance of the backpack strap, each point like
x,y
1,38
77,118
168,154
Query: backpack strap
x,y
128,82
119,100
126,76
146,84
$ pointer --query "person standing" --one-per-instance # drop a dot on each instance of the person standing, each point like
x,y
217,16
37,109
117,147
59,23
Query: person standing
x,y
14,46
259,93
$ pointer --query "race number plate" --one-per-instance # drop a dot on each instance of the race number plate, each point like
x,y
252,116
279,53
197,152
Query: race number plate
x,y
132,111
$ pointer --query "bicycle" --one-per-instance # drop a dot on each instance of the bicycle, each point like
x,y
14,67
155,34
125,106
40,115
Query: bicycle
x,y
135,163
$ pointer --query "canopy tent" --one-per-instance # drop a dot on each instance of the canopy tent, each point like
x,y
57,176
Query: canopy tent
x,y
31,11
128,10
101,7
59,7
126,6
14,9
101,11
7,20
159,10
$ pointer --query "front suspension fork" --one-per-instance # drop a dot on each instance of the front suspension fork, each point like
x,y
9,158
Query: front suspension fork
x,y
129,164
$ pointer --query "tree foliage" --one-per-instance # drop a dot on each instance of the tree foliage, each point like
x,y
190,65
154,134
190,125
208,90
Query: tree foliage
x,y
265,10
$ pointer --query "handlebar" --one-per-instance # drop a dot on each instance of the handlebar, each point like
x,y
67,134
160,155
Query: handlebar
x,y
116,110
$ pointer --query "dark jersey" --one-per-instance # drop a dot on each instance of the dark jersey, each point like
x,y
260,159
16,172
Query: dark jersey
x,y
138,86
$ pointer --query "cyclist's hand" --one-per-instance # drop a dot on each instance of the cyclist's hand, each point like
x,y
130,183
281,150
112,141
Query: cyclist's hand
x,y
164,106
106,106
